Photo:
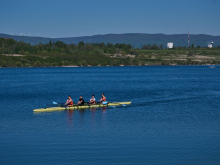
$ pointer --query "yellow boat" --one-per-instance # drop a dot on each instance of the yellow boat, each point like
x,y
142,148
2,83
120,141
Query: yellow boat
x,y
81,107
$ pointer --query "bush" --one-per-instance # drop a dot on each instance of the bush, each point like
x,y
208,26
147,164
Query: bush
x,y
123,53
18,64
142,63
149,56
190,53
37,64
142,55
3,64
84,63
79,63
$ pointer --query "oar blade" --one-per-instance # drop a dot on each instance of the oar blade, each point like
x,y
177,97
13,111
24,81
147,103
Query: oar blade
x,y
54,102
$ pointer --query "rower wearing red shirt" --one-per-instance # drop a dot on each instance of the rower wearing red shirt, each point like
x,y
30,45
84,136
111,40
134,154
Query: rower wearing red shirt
x,y
103,98
69,101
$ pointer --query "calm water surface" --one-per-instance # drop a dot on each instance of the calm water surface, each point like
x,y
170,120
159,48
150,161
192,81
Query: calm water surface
x,y
174,117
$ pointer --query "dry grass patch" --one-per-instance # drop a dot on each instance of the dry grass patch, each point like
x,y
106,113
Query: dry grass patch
x,y
15,55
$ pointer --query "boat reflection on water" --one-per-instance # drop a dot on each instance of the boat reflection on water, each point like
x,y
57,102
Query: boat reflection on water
x,y
104,109
99,108
82,113
70,117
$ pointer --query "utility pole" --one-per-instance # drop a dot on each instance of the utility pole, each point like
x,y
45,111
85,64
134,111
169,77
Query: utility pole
x,y
188,39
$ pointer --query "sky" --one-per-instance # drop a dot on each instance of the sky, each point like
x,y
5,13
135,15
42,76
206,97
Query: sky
x,y
73,18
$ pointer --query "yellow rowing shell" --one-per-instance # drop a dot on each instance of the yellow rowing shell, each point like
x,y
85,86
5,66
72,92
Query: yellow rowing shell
x,y
80,107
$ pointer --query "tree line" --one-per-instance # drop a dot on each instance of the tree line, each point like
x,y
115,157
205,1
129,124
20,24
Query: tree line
x,y
21,54
61,54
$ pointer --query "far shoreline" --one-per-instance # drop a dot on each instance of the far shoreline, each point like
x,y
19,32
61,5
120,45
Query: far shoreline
x,y
105,66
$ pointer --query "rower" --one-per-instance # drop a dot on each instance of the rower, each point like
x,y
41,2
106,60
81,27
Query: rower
x,y
92,100
69,101
81,101
103,98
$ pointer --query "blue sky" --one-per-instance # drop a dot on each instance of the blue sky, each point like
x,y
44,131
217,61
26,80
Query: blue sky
x,y
71,18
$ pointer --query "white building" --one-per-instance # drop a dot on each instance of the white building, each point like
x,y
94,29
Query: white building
x,y
169,45
210,45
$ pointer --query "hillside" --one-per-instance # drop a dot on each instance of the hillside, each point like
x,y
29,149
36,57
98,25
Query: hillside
x,y
135,39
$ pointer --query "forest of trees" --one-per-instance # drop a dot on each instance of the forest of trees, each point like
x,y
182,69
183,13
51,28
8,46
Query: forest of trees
x,y
20,54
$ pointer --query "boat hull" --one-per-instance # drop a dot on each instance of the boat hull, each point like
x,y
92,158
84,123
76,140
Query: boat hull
x,y
80,107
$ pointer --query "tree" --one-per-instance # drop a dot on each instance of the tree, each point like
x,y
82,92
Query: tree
x,y
88,47
145,47
142,55
129,46
193,45
109,45
102,45
59,44
50,43
84,63
123,53
190,53
105,49
142,63
3,63
154,46
117,45
112,51
149,56
73,46
161,46
189,61
37,63
80,44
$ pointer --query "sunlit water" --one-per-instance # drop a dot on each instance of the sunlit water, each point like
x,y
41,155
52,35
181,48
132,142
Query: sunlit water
x,y
174,117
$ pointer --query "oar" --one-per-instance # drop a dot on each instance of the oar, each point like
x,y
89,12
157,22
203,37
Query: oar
x,y
50,105
59,104
54,102
104,102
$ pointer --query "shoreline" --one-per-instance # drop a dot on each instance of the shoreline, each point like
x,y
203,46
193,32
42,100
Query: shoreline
x,y
106,66
71,66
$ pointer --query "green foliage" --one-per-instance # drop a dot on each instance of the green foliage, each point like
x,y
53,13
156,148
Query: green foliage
x,y
149,56
37,64
123,53
142,55
112,51
18,64
94,54
190,53
80,44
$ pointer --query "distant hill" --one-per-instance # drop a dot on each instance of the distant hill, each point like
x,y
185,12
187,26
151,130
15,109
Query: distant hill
x,y
135,39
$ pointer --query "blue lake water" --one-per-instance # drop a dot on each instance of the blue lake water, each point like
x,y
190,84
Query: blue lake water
x,y
174,117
